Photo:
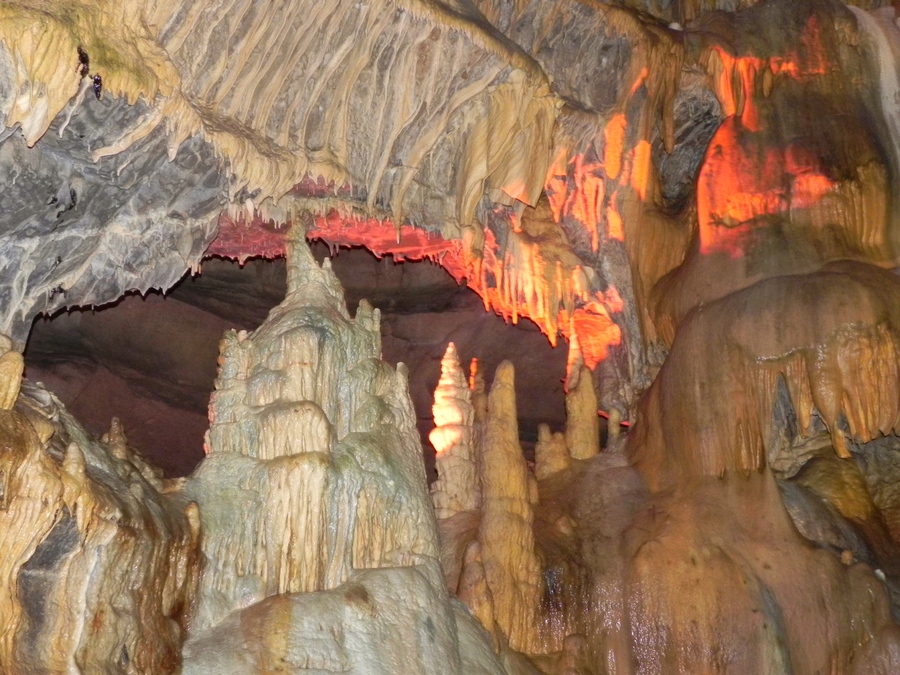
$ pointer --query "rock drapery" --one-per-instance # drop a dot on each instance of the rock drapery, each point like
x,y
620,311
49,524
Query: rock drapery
x,y
700,197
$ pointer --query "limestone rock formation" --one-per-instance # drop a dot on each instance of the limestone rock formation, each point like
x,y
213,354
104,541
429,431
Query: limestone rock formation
x,y
511,569
382,622
99,565
458,486
551,453
333,564
582,421
489,556
700,196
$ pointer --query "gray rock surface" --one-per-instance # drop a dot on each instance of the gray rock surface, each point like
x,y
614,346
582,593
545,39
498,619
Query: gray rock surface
x,y
78,233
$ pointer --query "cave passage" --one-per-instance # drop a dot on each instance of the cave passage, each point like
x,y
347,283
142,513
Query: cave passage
x,y
151,361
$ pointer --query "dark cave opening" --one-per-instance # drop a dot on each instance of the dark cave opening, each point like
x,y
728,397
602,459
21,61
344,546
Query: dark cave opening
x,y
151,360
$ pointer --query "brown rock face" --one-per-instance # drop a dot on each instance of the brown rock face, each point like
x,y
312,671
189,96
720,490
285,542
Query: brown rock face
x,y
781,328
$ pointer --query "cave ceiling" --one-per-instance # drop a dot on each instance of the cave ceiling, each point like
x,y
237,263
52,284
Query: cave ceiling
x,y
544,152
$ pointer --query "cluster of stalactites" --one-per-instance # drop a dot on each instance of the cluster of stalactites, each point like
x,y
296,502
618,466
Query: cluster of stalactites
x,y
280,108
534,273
482,471
664,10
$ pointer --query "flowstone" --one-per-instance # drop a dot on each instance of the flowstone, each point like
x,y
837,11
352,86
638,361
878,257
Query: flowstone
x,y
319,537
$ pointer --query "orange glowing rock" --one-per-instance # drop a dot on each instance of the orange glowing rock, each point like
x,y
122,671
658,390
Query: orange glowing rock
x,y
596,331
743,180
613,300
614,136
614,223
535,276
640,174
580,193
556,191
587,198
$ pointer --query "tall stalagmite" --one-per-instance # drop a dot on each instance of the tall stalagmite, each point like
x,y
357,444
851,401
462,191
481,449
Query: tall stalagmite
x,y
582,421
457,487
305,382
333,563
511,567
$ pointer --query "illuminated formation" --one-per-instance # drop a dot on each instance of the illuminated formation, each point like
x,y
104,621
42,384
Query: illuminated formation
x,y
312,440
458,488
698,198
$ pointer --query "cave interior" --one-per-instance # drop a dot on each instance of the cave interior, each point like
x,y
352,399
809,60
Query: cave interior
x,y
452,337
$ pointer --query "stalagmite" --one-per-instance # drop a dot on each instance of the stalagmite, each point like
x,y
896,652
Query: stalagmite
x,y
551,453
115,439
479,395
474,591
614,427
574,358
457,488
582,420
511,567
288,395
333,563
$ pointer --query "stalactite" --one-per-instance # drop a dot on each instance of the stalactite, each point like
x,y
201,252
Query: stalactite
x,y
278,120
536,273
457,488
